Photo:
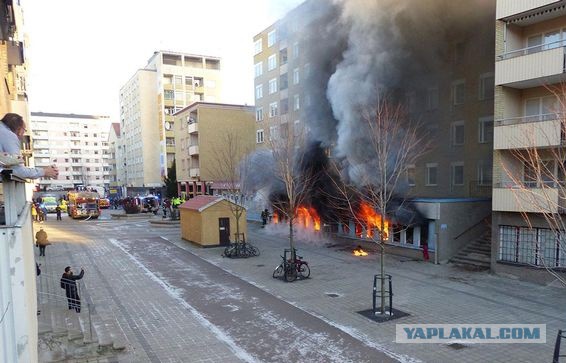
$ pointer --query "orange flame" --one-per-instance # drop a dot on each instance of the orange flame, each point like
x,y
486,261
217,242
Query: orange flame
x,y
373,220
308,218
275,218
360,252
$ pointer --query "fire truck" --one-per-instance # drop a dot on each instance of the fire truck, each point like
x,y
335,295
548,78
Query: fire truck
x,y
83,205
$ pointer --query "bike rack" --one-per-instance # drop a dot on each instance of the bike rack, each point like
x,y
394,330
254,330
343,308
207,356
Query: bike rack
x,y
388,293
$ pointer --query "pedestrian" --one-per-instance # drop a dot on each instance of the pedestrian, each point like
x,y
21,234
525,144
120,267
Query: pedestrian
x,y
69,283
164,207
12,129
33,213
58,211
425,250
264,217
41,241
43,211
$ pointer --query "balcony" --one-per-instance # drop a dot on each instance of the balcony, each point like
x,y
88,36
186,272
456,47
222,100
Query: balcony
x,y
193,150
531,67
511,198
508,8
193,128
18,298
528,131
194,172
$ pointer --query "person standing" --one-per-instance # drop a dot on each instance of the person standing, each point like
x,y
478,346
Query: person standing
x,y
58,211
264,217
69,283
41,241
425,250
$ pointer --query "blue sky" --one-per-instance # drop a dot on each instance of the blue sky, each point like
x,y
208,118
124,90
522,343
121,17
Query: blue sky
x,y
82,51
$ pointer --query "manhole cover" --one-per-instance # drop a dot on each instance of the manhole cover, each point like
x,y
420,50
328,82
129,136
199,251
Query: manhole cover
x,y
332,295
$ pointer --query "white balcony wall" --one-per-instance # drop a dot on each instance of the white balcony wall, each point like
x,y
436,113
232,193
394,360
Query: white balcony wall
x,y
530,67
507,8
193,150
194,172
193,128
530,134
535,200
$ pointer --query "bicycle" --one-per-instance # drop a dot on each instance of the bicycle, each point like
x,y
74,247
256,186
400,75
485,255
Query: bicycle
x,y
290,269
240,249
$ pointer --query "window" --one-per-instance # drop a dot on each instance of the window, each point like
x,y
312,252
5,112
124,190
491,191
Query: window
x,y
295,54
258,91
285,106
271,38
539,172
484,172
188,81
259,136
258,69
259,114
272,86
532,246
457,131
458,92
179,96
258,46
283,56
296,102
178,80
457,173
533,43
296,127
272,62
540,108
432,98
485,130
273,132
296,76
283,82
273,109
169,95
431,174
411,175
487,86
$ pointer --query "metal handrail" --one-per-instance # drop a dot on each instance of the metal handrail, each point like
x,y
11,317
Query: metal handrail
x,y
532,49
528,119
64,300
556,357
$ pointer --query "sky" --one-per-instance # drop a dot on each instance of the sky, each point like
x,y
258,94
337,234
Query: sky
x,y
80,52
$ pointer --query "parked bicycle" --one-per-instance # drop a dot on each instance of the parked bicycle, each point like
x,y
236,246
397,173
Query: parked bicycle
x,y
240,250
290,268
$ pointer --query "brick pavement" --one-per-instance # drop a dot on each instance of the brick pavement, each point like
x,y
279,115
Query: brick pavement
x,y
430,293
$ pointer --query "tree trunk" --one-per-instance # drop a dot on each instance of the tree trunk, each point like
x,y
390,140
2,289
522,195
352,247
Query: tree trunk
x,y
291,240
382,262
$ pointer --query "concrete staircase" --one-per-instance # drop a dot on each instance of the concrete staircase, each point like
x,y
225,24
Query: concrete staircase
x,y
476,255
65,335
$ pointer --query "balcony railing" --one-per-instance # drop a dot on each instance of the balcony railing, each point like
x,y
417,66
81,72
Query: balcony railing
x,y
527,119
531,50
18,299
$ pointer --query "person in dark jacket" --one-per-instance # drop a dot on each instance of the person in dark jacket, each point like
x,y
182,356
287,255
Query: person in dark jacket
x,y
68,282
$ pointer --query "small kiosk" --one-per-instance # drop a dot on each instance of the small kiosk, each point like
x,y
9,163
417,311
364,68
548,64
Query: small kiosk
x,y
209,221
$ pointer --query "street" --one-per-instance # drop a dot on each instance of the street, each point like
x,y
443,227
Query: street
x,y
175,302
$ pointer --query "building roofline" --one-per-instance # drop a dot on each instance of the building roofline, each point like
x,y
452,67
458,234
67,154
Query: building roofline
x,y
223,105
68,115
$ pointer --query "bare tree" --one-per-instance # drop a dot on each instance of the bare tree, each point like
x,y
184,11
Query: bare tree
x,y
228,167
536,173
292,173
375,180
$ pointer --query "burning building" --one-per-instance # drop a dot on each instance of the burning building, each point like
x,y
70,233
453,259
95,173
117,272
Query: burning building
x,y
315,68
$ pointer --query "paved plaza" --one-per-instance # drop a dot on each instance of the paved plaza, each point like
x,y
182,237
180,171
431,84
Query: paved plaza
x,y
176,302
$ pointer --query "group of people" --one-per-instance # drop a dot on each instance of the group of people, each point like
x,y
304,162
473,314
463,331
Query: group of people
x,y
68,280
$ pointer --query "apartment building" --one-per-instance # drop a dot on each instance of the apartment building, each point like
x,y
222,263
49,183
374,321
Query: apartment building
x,y
210,139
529,137
451,185
77,144
169,82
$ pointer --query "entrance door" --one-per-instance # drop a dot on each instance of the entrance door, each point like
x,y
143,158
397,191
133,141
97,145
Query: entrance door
x,y
224,227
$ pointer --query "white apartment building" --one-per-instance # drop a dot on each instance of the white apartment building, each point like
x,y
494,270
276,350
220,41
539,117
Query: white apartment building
x,y
169,82
114,152
528,191
77,144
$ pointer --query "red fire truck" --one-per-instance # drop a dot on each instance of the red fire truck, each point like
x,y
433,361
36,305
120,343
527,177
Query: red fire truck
x,y
83,205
